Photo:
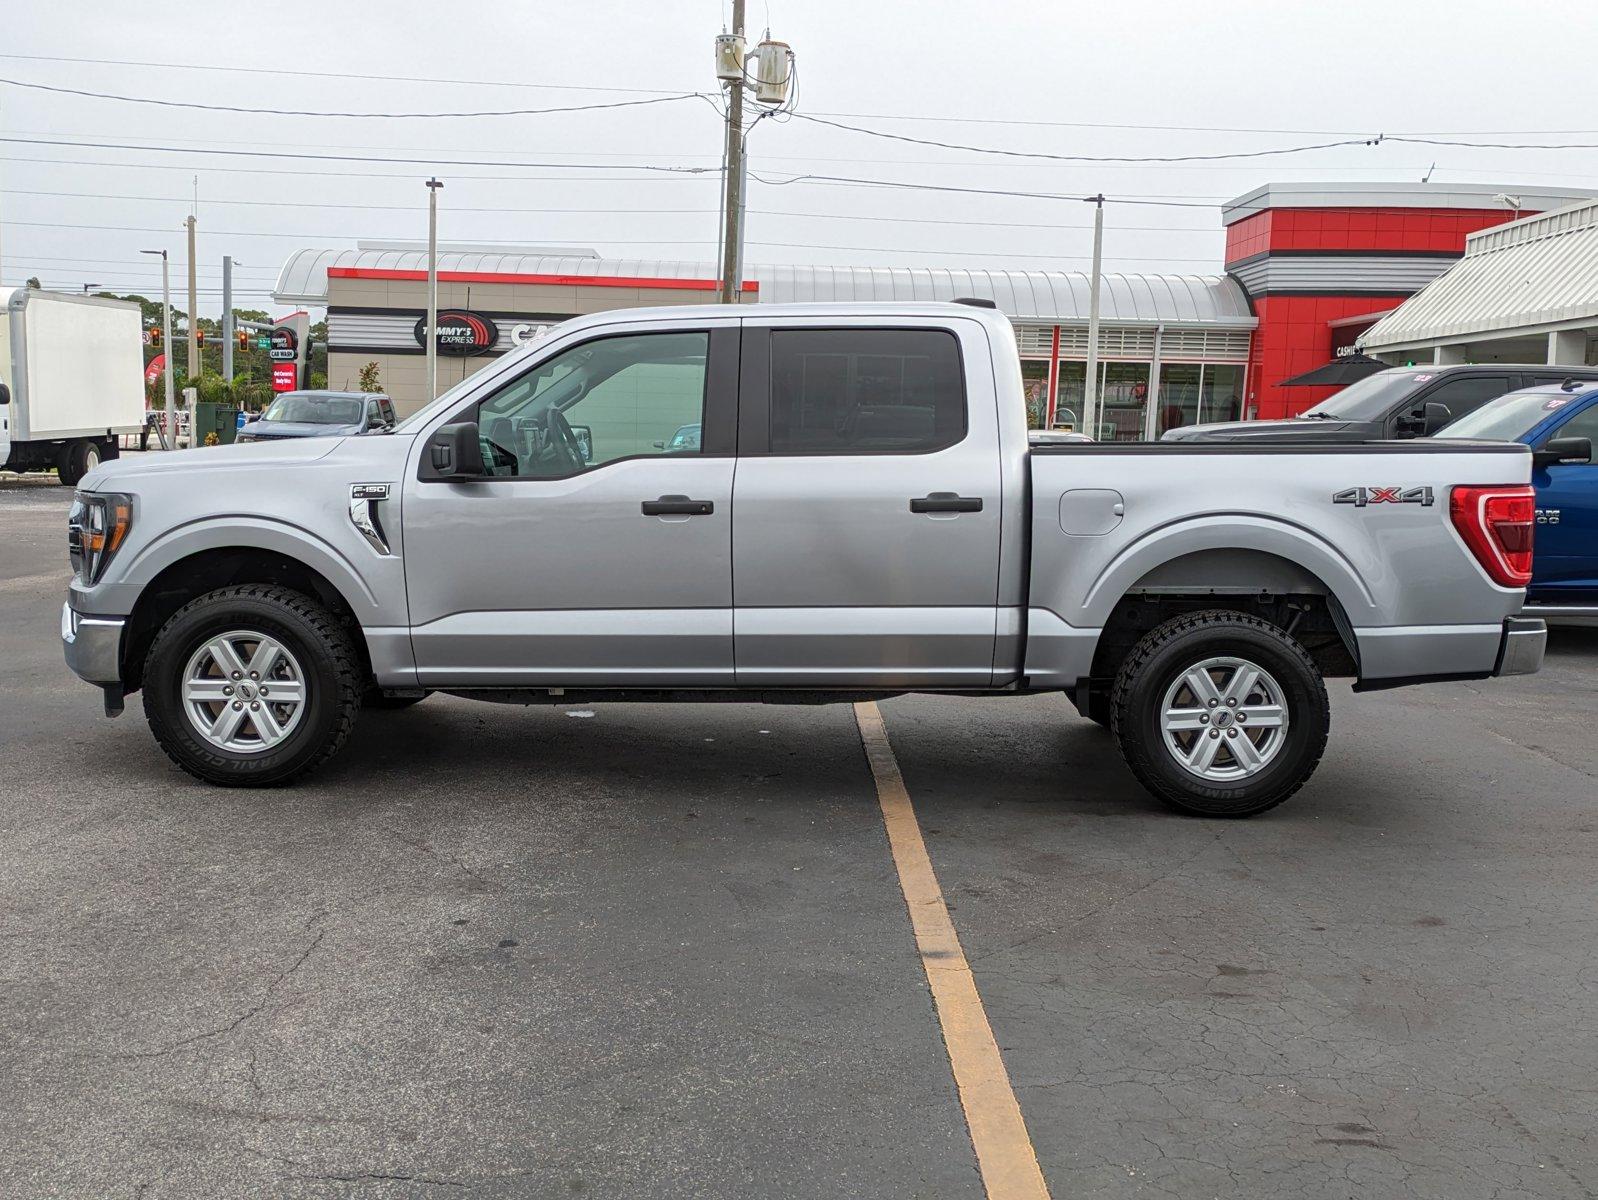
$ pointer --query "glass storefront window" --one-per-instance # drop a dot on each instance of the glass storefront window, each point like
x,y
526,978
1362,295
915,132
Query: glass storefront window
x,y
1068,395
1035,386
1189,393
1222,392
1179,396
1123,402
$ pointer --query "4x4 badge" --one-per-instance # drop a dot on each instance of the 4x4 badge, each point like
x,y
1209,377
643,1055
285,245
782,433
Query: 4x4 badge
x,y
1359,497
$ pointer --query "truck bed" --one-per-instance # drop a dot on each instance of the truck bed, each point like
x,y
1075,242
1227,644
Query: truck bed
x,y
1367,526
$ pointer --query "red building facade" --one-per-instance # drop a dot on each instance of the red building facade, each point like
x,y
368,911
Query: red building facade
x,y
1320,264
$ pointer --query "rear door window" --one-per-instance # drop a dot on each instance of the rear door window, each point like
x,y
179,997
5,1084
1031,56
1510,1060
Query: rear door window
x,y
865,391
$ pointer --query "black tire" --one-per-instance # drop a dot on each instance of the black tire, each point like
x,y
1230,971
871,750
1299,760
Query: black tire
x,y
1167,653
77,459
317,640
375,699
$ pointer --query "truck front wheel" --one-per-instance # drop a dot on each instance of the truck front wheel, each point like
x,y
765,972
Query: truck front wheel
x,y
251,685
1220,714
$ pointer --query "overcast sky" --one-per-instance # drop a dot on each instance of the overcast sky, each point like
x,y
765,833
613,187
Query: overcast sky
x,y
1294,73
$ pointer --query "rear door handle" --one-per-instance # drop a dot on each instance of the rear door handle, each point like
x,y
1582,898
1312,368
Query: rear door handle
x,y
939,502
678,506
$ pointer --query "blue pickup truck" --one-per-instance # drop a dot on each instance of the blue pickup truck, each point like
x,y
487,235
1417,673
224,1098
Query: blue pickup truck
x,y
1560,424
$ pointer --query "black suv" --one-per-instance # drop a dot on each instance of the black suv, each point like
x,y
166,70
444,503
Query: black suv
x,y
1401,402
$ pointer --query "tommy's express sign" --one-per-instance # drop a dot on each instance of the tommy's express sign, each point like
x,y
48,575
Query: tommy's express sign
x,y
460,332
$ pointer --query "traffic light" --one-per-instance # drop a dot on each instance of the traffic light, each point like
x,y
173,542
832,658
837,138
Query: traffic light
x,y
244,339
155,336
199,338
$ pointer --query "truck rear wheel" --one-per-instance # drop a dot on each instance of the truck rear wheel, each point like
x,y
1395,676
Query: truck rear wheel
x,y
1220,714
251,686
77,460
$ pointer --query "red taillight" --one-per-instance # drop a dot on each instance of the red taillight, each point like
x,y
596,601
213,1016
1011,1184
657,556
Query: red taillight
x,y
1497,523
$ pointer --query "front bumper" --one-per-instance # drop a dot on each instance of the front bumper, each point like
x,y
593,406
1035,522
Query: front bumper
x,y
93,645
1521,650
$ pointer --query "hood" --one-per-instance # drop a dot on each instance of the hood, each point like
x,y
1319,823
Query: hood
x,y
1291,429
264,430
110,474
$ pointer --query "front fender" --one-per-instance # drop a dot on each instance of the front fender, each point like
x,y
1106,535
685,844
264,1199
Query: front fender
x,y
248,531
1225,531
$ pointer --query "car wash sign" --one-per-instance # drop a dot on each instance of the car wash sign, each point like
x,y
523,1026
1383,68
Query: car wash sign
x,y
460,332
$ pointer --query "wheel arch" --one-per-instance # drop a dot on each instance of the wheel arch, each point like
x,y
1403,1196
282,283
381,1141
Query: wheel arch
x,y
192,575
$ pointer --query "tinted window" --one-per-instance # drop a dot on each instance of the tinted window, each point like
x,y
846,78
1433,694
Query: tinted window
x,y
865,391
1468,393
595,403
374,413
1372,398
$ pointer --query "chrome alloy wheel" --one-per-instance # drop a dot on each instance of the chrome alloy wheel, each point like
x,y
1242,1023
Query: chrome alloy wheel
x,y
1224,719
243,692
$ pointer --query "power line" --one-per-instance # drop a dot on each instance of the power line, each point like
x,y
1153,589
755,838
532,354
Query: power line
x,y
419,164
306,112
344,76
1086,158
410,208
188,168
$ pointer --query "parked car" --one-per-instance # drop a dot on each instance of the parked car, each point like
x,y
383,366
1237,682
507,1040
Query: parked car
x,y
320,414
1402,402
894,533
1560,424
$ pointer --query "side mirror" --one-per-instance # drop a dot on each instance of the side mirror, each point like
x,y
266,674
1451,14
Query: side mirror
x,y
5,394
454,452
1563,450
1434,417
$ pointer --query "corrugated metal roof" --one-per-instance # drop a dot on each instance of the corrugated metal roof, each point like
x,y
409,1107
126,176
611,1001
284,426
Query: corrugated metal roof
x,y
1539,271
1051,297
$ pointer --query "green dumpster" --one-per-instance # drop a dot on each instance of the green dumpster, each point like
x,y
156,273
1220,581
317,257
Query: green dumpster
x,y
218,419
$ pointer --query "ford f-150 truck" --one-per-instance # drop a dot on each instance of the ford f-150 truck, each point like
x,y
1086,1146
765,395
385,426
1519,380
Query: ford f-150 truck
x,y
861,517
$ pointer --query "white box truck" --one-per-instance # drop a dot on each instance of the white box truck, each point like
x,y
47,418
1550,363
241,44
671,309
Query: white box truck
x,y
71,381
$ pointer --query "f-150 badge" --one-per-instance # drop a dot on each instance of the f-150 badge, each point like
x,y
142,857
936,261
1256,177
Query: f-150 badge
x,y
1360,497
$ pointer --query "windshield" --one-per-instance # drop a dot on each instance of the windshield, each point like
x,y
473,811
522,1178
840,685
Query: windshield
x,y
308,408
1509,418
1372,398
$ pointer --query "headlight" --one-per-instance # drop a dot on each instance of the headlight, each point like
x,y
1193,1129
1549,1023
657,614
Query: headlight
x,y
96,528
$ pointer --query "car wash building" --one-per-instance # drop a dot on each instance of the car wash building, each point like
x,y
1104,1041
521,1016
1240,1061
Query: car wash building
x,y
1307,270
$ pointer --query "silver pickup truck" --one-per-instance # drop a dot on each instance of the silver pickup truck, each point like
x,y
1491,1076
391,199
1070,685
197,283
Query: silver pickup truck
x,y
855,512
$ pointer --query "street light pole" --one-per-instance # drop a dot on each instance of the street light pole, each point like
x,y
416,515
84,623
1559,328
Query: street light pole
x,y
432,287
227,317
1090,390
166,345
194,310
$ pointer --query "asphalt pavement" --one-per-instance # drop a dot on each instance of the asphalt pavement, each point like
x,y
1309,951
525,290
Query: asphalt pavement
x,y
656,950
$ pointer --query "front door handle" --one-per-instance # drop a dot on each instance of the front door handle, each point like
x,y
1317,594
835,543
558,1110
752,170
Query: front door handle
x,y
678,506
941,502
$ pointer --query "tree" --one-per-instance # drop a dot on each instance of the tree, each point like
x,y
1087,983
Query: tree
x,y
371,378
250,314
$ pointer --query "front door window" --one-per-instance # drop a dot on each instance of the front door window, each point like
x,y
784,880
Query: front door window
x,y
605,400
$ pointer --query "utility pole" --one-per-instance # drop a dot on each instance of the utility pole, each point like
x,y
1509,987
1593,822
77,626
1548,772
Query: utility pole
x,y
194,309
227,317
432,287
166,346
1090,390
732,234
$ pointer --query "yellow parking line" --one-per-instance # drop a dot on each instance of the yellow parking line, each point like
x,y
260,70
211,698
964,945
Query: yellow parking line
x,y
1005,1156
